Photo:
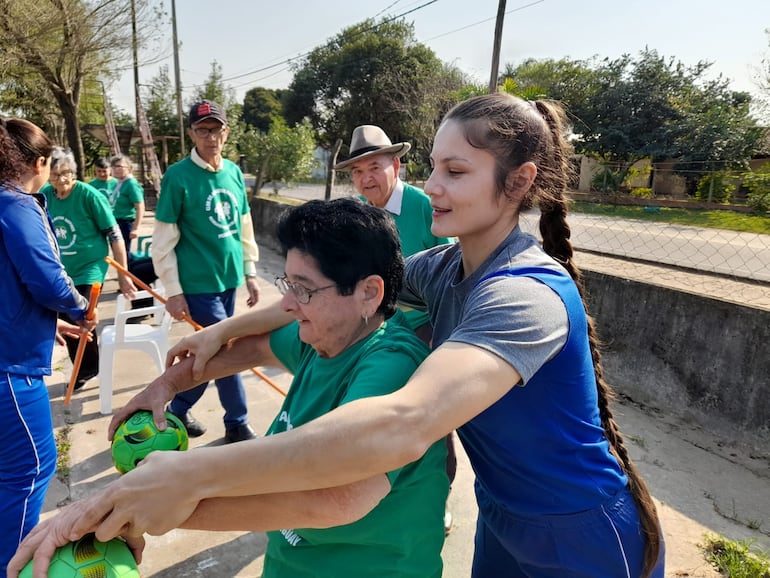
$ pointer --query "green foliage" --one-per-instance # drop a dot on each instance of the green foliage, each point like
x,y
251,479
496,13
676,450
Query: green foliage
x,y
160,107
735,559
609,179
61,45
378,73
261,106
715,188
642,193
715,219
649,106
758,184
283,154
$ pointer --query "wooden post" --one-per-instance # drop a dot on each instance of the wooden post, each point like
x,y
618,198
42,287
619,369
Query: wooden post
x,y
496,47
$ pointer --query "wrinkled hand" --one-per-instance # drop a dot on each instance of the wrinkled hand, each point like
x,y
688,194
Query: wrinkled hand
x,y
202,345
253,288
71,524
177,307
153,398
126,286
143,501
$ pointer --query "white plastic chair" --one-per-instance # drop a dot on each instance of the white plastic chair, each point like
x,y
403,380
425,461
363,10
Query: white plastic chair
x,y
150,338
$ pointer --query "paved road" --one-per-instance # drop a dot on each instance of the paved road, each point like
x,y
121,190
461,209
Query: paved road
x,y
741,255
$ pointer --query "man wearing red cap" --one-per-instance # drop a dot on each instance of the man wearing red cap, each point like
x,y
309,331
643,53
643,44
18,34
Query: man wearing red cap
x,y
203,247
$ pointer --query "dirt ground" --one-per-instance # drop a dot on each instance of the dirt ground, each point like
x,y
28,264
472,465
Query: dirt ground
x,y
713,481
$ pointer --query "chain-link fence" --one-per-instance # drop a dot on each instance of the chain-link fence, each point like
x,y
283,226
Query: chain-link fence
x,y
723,264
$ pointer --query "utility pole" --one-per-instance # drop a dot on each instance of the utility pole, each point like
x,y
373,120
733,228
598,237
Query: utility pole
x,y
496,47
177,79
135,51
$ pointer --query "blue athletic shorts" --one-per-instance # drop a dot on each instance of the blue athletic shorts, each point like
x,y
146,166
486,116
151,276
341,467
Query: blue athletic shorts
x,y
602,543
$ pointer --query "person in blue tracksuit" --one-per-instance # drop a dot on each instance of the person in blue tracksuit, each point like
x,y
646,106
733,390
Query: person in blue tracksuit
x,y
35,289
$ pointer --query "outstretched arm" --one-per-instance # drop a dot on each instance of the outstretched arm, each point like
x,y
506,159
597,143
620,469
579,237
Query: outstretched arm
x,y
356,441
237,355
309,509
206,343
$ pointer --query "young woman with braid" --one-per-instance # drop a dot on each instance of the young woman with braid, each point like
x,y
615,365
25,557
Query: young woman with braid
x,y
515,370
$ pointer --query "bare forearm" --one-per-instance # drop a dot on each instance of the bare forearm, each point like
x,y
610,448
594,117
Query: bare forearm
x,y
238,355
263,319
308,509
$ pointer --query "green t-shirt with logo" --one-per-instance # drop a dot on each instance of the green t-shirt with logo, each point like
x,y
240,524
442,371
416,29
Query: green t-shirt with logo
x,y
80,222
403,535
105,187
123,198
207,207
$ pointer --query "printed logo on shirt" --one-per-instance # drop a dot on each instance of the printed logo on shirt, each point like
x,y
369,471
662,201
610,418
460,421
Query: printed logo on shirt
x,y
291,537
66,235
222,211
284,417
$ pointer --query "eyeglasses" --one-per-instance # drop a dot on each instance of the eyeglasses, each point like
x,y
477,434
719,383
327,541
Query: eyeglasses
x,y
203,132
301,293
119,167
66,175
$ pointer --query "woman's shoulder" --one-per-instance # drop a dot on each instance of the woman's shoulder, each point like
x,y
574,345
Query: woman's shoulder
x,y
395,336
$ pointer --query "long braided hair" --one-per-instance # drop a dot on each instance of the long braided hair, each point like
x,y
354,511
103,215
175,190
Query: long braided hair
x,y
516,131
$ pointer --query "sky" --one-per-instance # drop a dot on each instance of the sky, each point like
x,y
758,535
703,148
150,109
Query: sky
x,y
253,40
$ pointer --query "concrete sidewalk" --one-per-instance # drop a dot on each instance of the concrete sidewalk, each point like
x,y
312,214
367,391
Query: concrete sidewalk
x,y
701,482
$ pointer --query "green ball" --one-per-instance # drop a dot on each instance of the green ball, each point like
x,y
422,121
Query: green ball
x,y
89,558
138,436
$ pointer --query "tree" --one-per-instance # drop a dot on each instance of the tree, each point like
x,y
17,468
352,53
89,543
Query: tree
x,y
261,106
64,42
280,154
572,82
160,105
373,73
649,106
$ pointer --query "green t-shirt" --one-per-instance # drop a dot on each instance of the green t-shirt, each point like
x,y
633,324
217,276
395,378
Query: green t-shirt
x,y
80,221
207,207
105,187
123,198
403,535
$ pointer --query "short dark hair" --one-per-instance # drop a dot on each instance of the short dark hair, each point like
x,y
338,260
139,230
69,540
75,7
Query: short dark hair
x,y
349,241
101,163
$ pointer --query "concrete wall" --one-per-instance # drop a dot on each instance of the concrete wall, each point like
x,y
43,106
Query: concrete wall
x,y
683,353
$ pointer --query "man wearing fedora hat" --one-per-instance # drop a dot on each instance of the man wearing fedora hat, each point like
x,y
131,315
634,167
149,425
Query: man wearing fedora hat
x,y
374,164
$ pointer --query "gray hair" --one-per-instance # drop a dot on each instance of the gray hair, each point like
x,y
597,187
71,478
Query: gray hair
x,y
61,157
125,158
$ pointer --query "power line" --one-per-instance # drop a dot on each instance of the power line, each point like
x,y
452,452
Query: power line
x,y
288,61
485,20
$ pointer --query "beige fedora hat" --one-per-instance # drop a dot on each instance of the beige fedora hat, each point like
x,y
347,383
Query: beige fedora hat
x,y
369,140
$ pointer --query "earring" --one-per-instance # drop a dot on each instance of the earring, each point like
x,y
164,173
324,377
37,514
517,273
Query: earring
x,y
366,319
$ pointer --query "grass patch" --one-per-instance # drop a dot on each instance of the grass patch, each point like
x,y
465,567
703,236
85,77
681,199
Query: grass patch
x,y
63,446
734,559
280,199
745,223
